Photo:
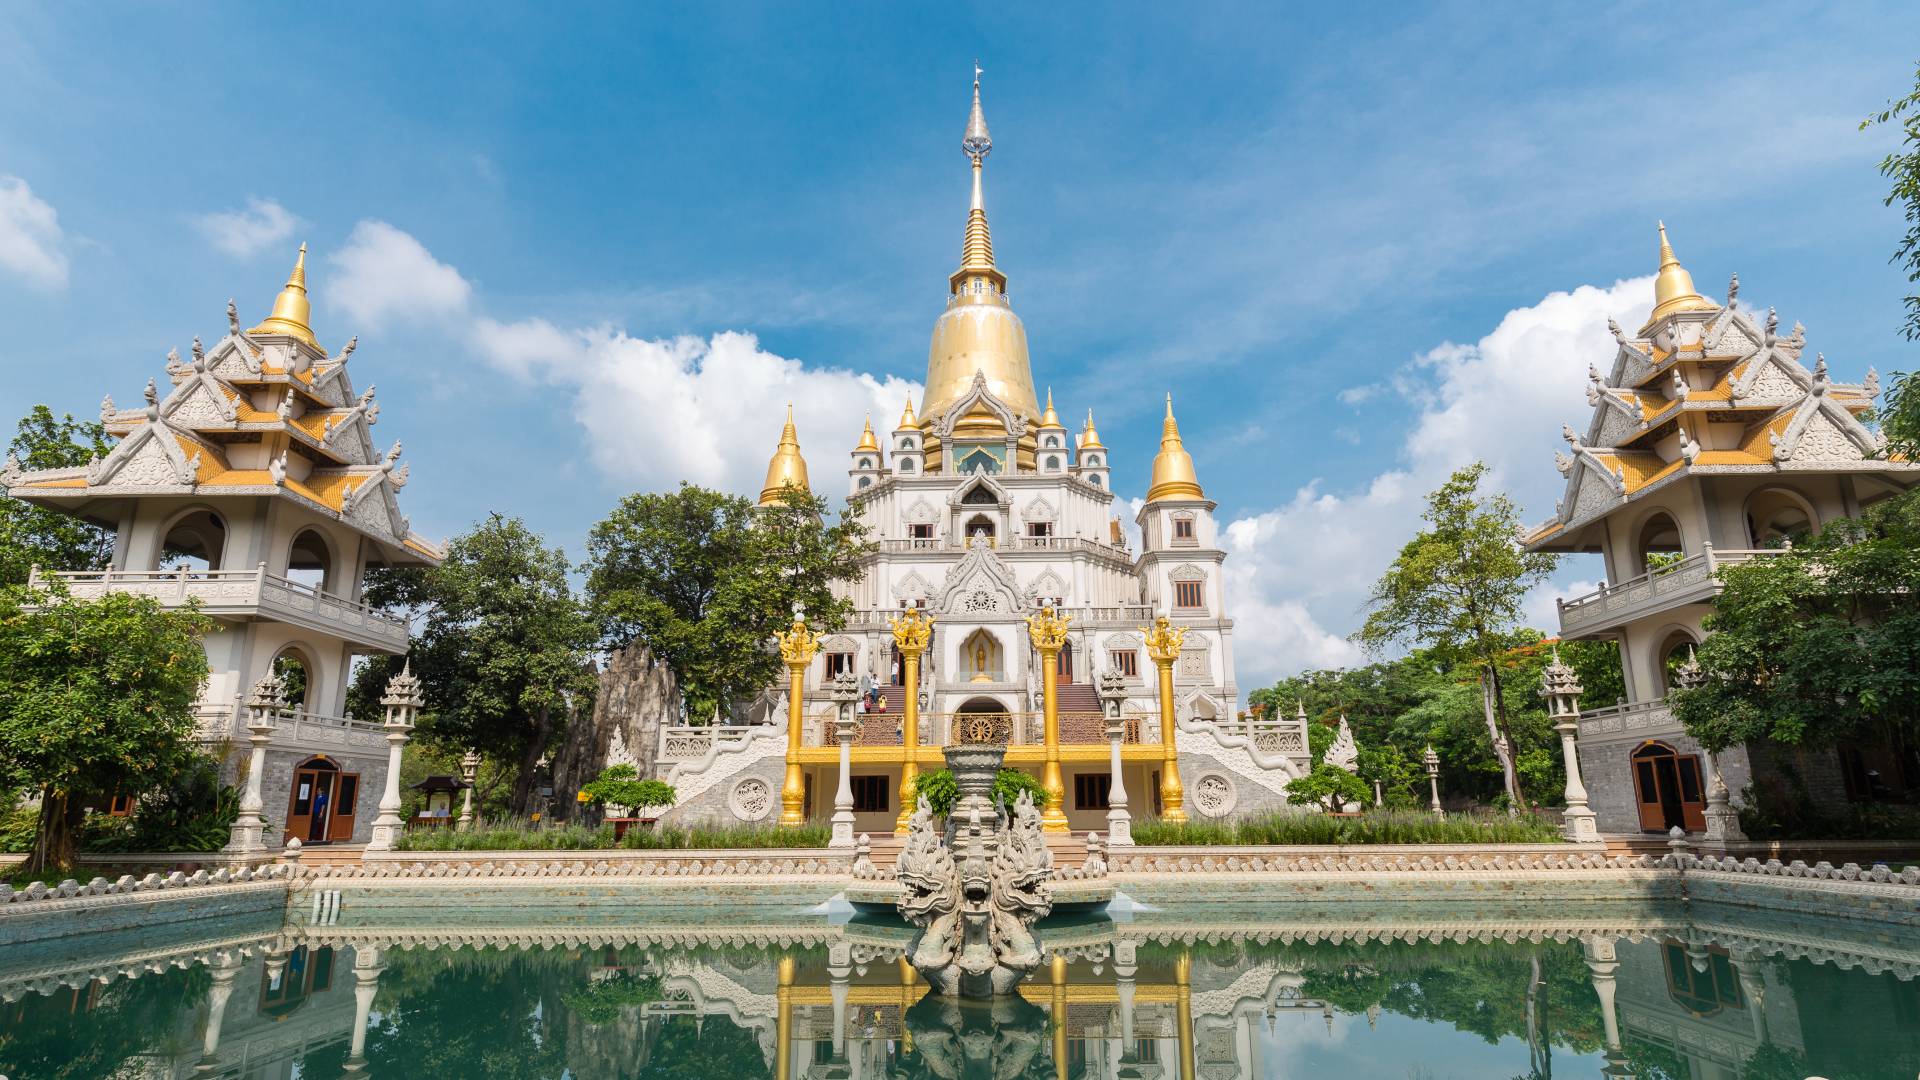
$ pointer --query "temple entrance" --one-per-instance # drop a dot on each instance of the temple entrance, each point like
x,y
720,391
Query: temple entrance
x,y
320,809
1669,789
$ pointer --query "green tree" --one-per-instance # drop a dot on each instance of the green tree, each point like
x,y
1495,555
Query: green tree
x,y
1817,643
704,579
96,699
1900,419
32,536
1457,588
506,653
1328,787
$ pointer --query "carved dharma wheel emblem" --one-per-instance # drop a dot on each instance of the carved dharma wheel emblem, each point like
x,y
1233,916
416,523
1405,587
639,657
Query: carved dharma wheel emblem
x,y
985,729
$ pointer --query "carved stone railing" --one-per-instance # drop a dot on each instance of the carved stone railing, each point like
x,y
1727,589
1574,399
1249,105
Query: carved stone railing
x,y
1010,543
1280,741
1625,721
253,593
1686,581
307,729
691,742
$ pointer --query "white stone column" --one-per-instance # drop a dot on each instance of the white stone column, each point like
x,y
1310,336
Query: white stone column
x,y
1125,956
1432,761
1602,963
367,966
225,968
844,690
839,967
1113,694
1561,687
403,703
469,772
249,833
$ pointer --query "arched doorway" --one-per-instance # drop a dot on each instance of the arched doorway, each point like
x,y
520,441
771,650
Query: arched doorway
x,y
992,711
1776,517
1669,789
297,675
196,540
322,806
1659,546
310,561
1676,653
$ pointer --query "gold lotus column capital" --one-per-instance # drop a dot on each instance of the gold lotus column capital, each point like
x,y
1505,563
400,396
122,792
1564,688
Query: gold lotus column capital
x,y
1164,640
912,630
798,644
1048,629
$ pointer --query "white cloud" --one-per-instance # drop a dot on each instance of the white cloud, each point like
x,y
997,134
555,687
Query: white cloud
x,y
31,243
1299,574
384,274
1356,395
245,233
712,408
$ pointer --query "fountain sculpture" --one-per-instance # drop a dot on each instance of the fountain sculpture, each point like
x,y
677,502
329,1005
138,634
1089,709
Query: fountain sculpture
x,y
976,891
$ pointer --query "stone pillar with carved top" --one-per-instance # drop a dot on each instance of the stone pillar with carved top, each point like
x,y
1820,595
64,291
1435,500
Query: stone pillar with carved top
x,y
1163,641
845,690
912,633
1113,695
1561,687
402,701
1049,633
797,646
249,833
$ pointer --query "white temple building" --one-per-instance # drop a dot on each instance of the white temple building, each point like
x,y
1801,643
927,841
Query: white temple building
x,y
986,509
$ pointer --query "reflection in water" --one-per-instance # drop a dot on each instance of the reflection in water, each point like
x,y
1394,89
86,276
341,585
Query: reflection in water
x,y
1660,998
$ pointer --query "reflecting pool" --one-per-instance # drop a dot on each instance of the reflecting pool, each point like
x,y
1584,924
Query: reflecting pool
x,y
397,987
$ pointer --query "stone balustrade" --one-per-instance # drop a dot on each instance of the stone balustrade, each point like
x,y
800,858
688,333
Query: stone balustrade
x,y
242,594
1687,581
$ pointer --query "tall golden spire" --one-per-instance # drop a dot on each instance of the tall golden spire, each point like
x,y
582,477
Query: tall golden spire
x,y
1673,287
907,419
1173,475
1090,438
787,468
978,333
1050,418
866,437
291,309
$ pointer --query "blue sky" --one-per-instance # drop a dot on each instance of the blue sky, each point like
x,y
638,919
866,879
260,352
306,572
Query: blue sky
x,y
589,250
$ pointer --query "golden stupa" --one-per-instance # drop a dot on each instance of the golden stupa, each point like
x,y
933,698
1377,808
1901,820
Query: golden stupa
x,y
1173,475
1673,288
291,309
787,468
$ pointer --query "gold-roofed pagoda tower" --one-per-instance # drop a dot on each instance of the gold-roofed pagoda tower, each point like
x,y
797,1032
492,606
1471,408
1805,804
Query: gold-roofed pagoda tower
x,y
252,485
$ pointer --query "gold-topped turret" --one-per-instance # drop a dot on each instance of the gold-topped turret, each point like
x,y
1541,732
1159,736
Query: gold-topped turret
x,y
867,441
788,468
1173,475
291,309
1090,438
907,419
1673,287
1050,418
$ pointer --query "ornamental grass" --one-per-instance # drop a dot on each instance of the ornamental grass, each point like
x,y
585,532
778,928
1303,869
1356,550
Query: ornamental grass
x,y
526,835
1371,827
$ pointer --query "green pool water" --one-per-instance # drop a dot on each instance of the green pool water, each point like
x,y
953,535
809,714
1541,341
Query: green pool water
x,y
414,985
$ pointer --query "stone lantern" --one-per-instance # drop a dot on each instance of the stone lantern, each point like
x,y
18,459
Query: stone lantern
x,y
1432,761
249,832
402,701
844,690
1113,694
469,772
1561,687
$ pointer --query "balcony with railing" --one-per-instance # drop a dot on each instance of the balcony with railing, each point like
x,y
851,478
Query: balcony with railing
x,y
1690,580
1008,543
216,722
242,594
1636,720
1009,729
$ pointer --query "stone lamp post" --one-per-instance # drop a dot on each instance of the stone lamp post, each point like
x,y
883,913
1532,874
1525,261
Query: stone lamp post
x,y
1561,687
1723,821
845,690
249,833
469,772
403,703
1432,761
1113,694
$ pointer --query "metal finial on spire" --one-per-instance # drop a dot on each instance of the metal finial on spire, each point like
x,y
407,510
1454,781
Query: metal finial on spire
x,y
977,143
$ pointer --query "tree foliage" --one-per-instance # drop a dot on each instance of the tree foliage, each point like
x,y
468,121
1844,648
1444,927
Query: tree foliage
x,y
96,699
506,654
620,785
938,788
1817,643
32,536
704,579
1457,588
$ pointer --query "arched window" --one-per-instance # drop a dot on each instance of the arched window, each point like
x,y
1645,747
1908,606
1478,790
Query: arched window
x,y
1053,463
1659,546
981,495
296,675
980,525
906,444
904,465
310,561
1776,516
1094,480
1674,653
1093,462
866,463
1053,442
866,482
197,540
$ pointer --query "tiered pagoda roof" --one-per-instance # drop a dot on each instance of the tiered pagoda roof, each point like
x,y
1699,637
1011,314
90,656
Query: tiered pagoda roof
x,y
1708,389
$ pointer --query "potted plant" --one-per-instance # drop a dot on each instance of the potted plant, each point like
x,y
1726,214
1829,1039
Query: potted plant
x,y
620,787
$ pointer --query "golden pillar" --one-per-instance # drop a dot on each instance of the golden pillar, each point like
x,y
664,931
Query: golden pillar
x,y
1183,1011
1163,647
1059,1011
912,632
783,1025
797,646
1049,633
909,984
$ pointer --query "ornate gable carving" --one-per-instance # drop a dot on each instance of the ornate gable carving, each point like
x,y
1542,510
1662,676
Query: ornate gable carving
x,y
978,394
1186,572
149,455
1822,430
1047,584
980,482
980,583
1039,510
921,513
912,587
